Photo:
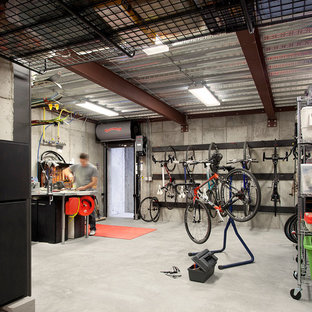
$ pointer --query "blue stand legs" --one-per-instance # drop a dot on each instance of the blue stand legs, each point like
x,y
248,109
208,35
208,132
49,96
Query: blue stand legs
x,y
231,265
252,258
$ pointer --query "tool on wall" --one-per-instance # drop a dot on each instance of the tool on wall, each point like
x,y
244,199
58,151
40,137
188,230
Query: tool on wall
x,y
275,197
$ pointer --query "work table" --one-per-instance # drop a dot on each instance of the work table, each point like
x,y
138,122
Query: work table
x,y
43,192
63,194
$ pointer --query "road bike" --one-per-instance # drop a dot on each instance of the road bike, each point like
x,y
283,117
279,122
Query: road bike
x,y
239,197
275,196
150,206
149,209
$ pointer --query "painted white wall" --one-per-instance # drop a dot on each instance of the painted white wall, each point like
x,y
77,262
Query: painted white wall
x,y
6,100
79,137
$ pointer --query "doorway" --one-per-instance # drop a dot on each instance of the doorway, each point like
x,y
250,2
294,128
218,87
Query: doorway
x,y
120,182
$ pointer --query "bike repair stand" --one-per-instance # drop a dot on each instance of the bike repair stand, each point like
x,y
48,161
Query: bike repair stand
x,y
231,265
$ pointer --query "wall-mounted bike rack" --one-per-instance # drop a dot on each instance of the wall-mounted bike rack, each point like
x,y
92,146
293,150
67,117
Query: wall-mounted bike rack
x,y
262,208
259,176
225,146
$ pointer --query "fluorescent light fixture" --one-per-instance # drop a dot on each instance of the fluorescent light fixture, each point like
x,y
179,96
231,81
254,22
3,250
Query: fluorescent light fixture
x,y
204,95
133,110
159,47
98,109
91,51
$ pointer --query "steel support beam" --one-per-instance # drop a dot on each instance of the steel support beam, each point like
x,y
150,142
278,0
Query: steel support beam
x,y
252,49
109,80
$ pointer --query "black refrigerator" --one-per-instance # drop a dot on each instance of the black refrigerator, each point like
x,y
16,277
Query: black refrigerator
x,y
15,242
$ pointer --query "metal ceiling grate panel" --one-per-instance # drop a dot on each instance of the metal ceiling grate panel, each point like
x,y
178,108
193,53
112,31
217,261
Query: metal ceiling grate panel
x,y
46,34
271,12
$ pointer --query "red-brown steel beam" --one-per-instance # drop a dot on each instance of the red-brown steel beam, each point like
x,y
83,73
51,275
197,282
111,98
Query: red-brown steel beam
x,y
230,113
109,80
252,49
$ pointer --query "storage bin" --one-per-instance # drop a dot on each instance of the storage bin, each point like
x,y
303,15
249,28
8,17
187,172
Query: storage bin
x,y
203,267
307,243
308,220
306,124
306,179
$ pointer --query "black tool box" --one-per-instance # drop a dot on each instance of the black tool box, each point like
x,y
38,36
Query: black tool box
x,y
203,267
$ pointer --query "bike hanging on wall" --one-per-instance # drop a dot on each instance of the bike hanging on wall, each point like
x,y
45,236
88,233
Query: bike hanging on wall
x,y
185,189
149,209
239,197
275,196
247,160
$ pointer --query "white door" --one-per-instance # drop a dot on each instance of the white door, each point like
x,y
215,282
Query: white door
x,y
120,182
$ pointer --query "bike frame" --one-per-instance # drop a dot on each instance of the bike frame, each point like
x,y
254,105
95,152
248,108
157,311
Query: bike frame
x,y
275,196
164,167
213,178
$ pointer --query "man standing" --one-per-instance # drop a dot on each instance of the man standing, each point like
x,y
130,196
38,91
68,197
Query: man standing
x,y
85,176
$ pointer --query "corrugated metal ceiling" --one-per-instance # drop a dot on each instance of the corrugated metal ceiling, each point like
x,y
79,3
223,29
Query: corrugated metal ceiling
x,y
216,60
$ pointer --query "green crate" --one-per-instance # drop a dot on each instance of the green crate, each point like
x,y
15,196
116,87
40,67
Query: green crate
x,y
307,243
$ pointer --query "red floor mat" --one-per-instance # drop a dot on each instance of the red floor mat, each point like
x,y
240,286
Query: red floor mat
x,y
122,232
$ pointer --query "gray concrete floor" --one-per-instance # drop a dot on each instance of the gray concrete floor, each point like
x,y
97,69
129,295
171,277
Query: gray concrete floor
x,y
103,274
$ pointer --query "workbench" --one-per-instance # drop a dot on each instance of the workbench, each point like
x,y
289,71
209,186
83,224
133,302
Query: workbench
x,y
39,193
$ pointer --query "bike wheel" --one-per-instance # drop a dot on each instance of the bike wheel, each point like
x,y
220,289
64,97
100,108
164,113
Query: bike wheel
x,y
212,149
290,229
197,222
246,155
149,209
241,195
170,196
212,197
190,155
170,155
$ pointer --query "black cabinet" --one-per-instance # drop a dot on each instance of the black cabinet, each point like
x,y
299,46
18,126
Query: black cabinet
x,y
34,221
14,168
15,243
14,257
79,226
46,221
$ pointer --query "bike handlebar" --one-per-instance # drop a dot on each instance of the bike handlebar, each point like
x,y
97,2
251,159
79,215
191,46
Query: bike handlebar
x,y
275,157
171,160
235,161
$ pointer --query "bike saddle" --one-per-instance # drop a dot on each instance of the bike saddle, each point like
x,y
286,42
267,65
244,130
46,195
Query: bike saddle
x,y
228,168
215,160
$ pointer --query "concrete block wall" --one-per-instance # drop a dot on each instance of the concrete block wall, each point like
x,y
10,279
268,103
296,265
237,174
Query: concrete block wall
x,y
6,100
226,130
79,137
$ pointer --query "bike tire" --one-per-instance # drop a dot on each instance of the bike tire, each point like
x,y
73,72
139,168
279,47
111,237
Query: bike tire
x,y
170,196
212,197
149,209
190,155
290,229
286,226
241,213
246,155
196,215
293,230
170,155
213,148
